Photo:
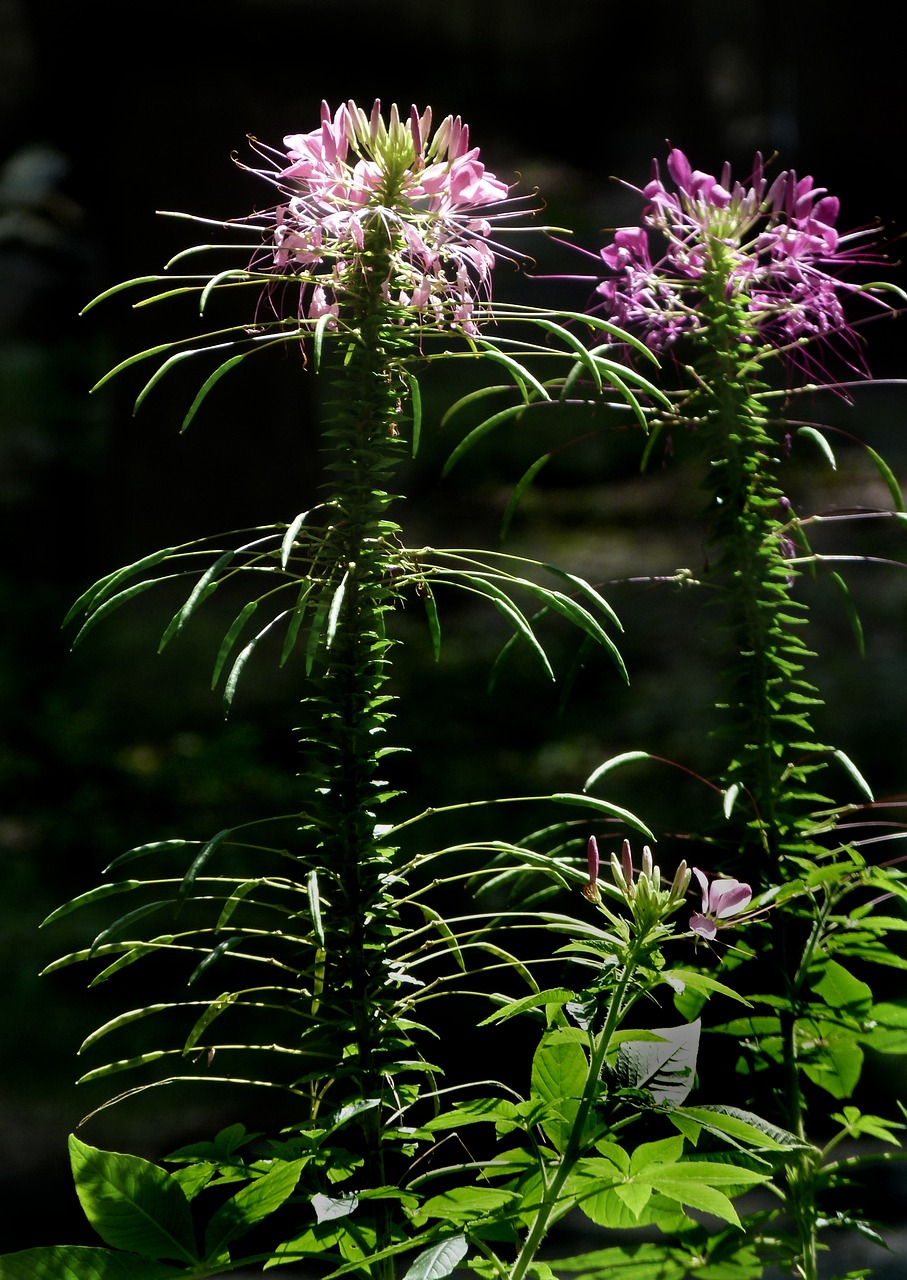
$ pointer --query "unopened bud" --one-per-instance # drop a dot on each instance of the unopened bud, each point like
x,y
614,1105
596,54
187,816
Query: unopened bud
x,y
593,858
681,882
626,858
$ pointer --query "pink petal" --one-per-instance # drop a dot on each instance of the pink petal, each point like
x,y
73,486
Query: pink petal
x,y
705,927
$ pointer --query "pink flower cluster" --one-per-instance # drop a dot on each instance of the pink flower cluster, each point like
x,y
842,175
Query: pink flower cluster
x,y
774,246
430,192
722,903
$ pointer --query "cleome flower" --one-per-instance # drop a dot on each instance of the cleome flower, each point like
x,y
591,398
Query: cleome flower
x,y
648,901
722,901
428,193
773,248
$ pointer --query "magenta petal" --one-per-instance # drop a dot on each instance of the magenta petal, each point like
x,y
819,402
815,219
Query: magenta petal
x,y
704,886
705,927
727,897
593,859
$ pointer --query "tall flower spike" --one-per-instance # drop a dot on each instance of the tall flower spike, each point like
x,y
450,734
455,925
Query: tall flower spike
x,y
777,246
431,193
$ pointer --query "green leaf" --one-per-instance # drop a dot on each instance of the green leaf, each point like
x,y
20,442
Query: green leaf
x,y
314,896
209,383
841,990
251,1205
329,1208
114,603
587,590
729,799
82,1262
631,1262
434,622
438,1260
853,617
665,1067
579,616
133,1015
237,668
626,757
477,433
854,772
519,371
605,808
289,538
522,485
819,439
296,618
111,581
98,894
481,586
230,639
831,1058
695,1194
559,1072
132,1204
743,1126
465,1204
415,408
554,995
475,1111
200,861
702,983
203,588
889,477
334,611
212,1012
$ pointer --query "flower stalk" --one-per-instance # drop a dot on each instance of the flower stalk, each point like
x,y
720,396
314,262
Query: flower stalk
x,y
749,273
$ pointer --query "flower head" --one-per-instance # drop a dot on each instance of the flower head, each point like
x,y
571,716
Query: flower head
x,y
427,194
772,247
722,900
643,892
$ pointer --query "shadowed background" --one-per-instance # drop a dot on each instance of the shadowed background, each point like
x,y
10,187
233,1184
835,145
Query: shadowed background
x,y
108,115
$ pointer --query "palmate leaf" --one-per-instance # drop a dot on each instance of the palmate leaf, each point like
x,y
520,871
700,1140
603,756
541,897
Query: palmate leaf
x,y
665,1067
133,1204
738,1126
83,1262
635,1261
251,1205
554,995
438,1260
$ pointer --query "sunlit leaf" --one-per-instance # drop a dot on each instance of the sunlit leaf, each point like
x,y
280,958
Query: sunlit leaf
x,y
133,1204
438,1260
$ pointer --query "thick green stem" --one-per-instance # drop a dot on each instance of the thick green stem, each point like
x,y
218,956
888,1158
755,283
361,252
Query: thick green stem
x,y
768,700
348,712
618,1007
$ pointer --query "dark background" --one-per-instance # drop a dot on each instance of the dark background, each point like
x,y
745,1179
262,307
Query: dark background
x,y
108,114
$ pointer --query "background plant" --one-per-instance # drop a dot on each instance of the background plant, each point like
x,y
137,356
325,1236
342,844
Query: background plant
x,y
583,366
384,242
748,274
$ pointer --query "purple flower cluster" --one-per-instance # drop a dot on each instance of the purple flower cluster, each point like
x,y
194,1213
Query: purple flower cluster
x,y
774,248
430,193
